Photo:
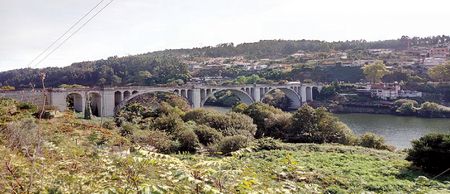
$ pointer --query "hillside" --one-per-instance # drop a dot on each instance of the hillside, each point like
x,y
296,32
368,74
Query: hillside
x,y
165,66
78,156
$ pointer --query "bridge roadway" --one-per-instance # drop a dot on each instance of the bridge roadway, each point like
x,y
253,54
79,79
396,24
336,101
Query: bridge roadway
x,y
105,101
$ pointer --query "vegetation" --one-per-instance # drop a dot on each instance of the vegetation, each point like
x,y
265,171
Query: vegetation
x,y
70,155
371,140
165,67
431,152
114,71
7,88
375,71
433,110
440,72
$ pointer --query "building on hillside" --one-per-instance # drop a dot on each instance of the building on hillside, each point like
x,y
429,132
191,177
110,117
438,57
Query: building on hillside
x,y
420,52
440,52
380,51
389,91
285,67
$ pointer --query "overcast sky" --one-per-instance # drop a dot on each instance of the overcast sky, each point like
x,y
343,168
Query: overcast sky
x,y
127,27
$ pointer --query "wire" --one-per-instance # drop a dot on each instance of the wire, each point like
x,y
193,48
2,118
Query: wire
x,y
67,31
76,31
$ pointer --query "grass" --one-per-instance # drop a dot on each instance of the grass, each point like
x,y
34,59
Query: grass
x,y
320,168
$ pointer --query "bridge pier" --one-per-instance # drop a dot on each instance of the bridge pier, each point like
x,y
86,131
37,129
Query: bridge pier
x,y
196,98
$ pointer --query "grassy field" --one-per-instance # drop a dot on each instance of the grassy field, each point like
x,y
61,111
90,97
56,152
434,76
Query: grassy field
x,y
310,168
77,156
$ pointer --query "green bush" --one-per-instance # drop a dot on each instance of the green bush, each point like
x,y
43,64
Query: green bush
x,y
430,109
188,141
239,107
159,140
169,123
371,140
207,135
318,126
27,106
228,124
399,102
407,108
111,125
232,143
268,143
128,129
335,190
259,112
277,125
431,152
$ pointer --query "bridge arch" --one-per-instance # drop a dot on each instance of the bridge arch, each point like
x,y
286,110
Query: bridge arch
x,y
126,94
242,95
95,103
295,99
126,100
75,100
117,98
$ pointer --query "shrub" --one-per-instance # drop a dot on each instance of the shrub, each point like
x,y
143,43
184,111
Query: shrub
x,y
188,141
239,107
169,123
335,190
406,108
259,112
128,129
111,125
228,124
160,140
22,135
277,125
27,106
268,143
431,152
232,143
399,102
318,126
430,109
371,140
7,88
207,135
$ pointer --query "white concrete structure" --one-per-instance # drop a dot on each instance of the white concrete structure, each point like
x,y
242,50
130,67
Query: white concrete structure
x,y
105,101
389,91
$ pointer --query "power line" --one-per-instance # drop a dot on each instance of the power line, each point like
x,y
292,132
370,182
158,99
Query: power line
x,y
76,31
67,31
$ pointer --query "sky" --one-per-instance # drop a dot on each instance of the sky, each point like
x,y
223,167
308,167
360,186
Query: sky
x,y
127,27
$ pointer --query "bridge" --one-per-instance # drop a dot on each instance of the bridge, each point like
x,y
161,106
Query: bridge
x,y
106,101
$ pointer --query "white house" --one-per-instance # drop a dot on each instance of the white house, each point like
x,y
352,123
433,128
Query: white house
x,y
390,91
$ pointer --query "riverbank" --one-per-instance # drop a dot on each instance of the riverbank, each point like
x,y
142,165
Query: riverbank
x,y
426,110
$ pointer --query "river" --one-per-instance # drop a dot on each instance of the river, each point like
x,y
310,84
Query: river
x,y
396,130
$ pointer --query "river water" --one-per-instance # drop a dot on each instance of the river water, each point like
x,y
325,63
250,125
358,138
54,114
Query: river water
x,y
396,130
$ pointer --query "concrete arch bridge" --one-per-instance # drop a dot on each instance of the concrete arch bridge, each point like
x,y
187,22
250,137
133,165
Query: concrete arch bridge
x,y
105,101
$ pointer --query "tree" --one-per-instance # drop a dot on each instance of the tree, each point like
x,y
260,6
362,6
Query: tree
x,y
375,71
440,72
318,126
